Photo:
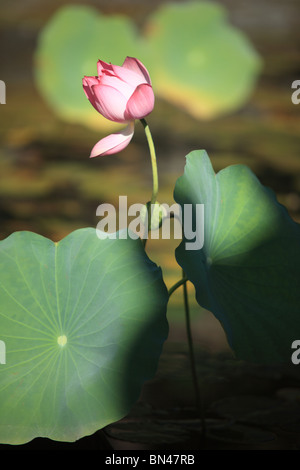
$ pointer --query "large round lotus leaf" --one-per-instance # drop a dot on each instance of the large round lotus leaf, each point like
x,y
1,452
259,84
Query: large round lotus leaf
x,y
248,271
68,49
83,322
200,62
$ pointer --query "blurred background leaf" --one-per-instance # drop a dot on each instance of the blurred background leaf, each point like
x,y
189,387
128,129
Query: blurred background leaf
x,y
69,47
195,58
199,61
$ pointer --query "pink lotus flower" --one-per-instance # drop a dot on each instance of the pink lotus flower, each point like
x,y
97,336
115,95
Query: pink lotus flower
x,y
121,94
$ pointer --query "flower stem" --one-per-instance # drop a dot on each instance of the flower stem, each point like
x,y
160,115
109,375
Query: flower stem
x,y
198,396
153,161
176,285
198,400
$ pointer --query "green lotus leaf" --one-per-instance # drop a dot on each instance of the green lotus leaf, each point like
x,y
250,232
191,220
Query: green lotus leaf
x,y
247,272
200,62
83,322
69,47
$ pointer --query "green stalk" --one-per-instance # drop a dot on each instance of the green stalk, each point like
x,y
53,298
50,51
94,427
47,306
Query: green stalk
x,y
176,285
154,172
198,399
153,161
